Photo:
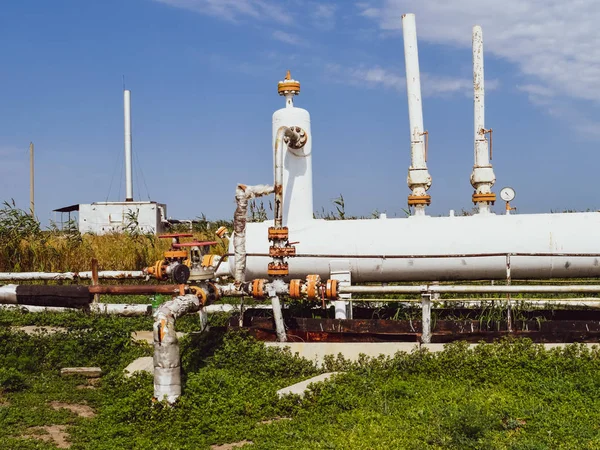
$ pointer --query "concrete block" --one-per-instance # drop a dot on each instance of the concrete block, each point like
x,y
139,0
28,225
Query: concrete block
x,y
302,387
144,364
88,372
316,351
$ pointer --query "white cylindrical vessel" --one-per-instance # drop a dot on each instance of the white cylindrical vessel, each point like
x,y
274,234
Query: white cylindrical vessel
x,y
127,126
480,234
297,163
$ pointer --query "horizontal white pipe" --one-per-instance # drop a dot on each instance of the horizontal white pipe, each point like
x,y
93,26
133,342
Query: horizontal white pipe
x,y
49,276
428,238
8,294
117,309
451,289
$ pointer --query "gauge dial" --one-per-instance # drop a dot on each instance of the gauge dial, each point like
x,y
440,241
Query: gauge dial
x,y
507,194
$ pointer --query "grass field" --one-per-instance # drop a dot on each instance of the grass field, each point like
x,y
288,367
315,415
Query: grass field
x,y
508,395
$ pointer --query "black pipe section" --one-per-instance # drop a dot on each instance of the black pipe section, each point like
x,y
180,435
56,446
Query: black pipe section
x,y
61,296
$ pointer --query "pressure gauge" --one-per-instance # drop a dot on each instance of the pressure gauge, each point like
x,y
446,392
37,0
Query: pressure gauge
x,y
507,194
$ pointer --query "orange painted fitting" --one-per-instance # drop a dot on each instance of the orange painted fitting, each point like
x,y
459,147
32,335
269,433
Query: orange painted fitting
x,y
278,269
157,270
278,233
258,287
313,282
296,288
331,291
222,231
200,293
208,260
175,254
282,252
491,198
419,200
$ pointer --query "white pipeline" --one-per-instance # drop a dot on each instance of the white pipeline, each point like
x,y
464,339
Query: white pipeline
x,y
419,179
455,289
482,178
49,276
127,126
167,364
370,247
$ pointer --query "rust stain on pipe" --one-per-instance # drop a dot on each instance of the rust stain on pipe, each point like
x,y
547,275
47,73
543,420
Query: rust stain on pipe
x,y
136,290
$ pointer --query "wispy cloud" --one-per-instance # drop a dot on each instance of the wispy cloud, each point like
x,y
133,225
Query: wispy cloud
x,y
235,10
289,38
554,48
432,85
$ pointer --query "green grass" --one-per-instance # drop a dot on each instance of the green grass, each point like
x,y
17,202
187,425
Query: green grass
x,y
509,395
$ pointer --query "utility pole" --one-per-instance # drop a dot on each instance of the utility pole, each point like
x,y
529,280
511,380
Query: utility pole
x,y
31,200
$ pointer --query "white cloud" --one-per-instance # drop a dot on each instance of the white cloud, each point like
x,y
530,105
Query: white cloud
x,y
289,38
552,42
432,85
235,10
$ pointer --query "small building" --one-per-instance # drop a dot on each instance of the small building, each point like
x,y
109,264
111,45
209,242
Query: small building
x,y
117,217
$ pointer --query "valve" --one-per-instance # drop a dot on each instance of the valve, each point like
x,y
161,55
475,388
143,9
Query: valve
x,y
180,266
198,251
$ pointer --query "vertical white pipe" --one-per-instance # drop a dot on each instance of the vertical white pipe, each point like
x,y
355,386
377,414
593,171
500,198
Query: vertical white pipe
x,y
278,317
127,122
418,176
483,177
426,318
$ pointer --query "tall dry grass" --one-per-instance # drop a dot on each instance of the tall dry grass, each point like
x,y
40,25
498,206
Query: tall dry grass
x,y
25,247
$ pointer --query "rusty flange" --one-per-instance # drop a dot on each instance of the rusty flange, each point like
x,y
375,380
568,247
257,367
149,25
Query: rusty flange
x,y
282,252
331,289
258,288
313,283
296,288
278,234
491,198
278,269
419,200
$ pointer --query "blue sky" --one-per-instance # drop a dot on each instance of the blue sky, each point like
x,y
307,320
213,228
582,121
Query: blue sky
x,y
203,75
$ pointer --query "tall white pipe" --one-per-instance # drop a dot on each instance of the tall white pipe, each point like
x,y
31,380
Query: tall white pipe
x,y
419,179
482,178
127,122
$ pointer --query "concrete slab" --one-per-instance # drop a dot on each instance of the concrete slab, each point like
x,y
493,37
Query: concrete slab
x,y
316,351
34,329
302,387
88,372
144,364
